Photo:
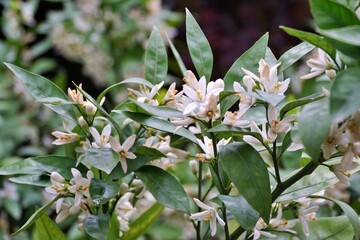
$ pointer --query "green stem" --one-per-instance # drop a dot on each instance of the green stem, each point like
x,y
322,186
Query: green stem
x,y
226,228
276,164
198,226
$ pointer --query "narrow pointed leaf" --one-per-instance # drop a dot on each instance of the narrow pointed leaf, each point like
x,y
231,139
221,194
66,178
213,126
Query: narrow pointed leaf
x,y
159,111
299,102
177,56
247,170
164,187
313,39
293,55
156,61
41,88
345,97
248,60
48,229
141,224
241,210
160,124
199,47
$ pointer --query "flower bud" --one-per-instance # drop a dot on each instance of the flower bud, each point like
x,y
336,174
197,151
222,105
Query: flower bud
x,y
57,177
90,108
123,188
193,166
82,121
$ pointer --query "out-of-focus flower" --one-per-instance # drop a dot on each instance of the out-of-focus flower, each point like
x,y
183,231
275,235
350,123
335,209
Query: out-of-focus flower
x,y
258,230
281,224
209,215
235,119
306,212
64,137
124,209
341,171
320,64
101,141
75,95
123,150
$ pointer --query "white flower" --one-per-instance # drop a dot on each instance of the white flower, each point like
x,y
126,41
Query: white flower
x,y
101,141
246,101
59,185
146,96
124,209
341,171
254,141
306,213
172,95
65,210
258,230
235,119
80,186
64,137
209,215
334,137
76,96
276,125
319,64
208,148
123,150
281,224
209,110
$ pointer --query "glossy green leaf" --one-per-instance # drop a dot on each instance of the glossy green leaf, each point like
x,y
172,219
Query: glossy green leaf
x,y
104,159
248,60
160,124
313,39
133,164
314,124
344,39
241,210
292,55
351,4
34,180
319,180
247,170
101,192
199,47
164,187
97,226
156,61
48,229
345,97
126,81
299,102
177,56
141,224
41,88
38,213
234,130
329,14
21,167
350,213
159,111
148,151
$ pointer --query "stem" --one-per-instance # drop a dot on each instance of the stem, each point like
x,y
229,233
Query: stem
x,y
276,164
226,228
198,236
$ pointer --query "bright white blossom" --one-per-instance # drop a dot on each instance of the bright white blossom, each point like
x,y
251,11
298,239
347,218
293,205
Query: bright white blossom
x,y
208,147
276,125
254,141
144,95
124,209
209,215
64,137
318,65
235,119
123,150
75,95
80,186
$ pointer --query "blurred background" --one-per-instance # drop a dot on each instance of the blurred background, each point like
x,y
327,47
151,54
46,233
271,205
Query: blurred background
x,y
99,43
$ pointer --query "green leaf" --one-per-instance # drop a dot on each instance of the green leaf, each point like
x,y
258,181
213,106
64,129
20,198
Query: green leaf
x,y
34,180
114,228
349,212
344,96
126,81
247,170
248,60
319,180
54,163
101,192
344,39
156,61
164,187
104,159
13,208
147,151
160,124
241,210
199,47
48,229
234,130
38,213
329,14
293,55
313,39
159,111
313,133
177,56
227,102
141,224
97,226
133,164
299,102
21,167
41,88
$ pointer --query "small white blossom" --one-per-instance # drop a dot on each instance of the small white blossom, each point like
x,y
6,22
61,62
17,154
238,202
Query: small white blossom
x,y
276,125
123,150
64,137
318,65
101,141
80,186
209,215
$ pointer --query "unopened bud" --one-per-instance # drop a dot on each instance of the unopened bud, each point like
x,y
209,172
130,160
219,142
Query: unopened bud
x,y
193,166
90,108
57,177
82,121
124,188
